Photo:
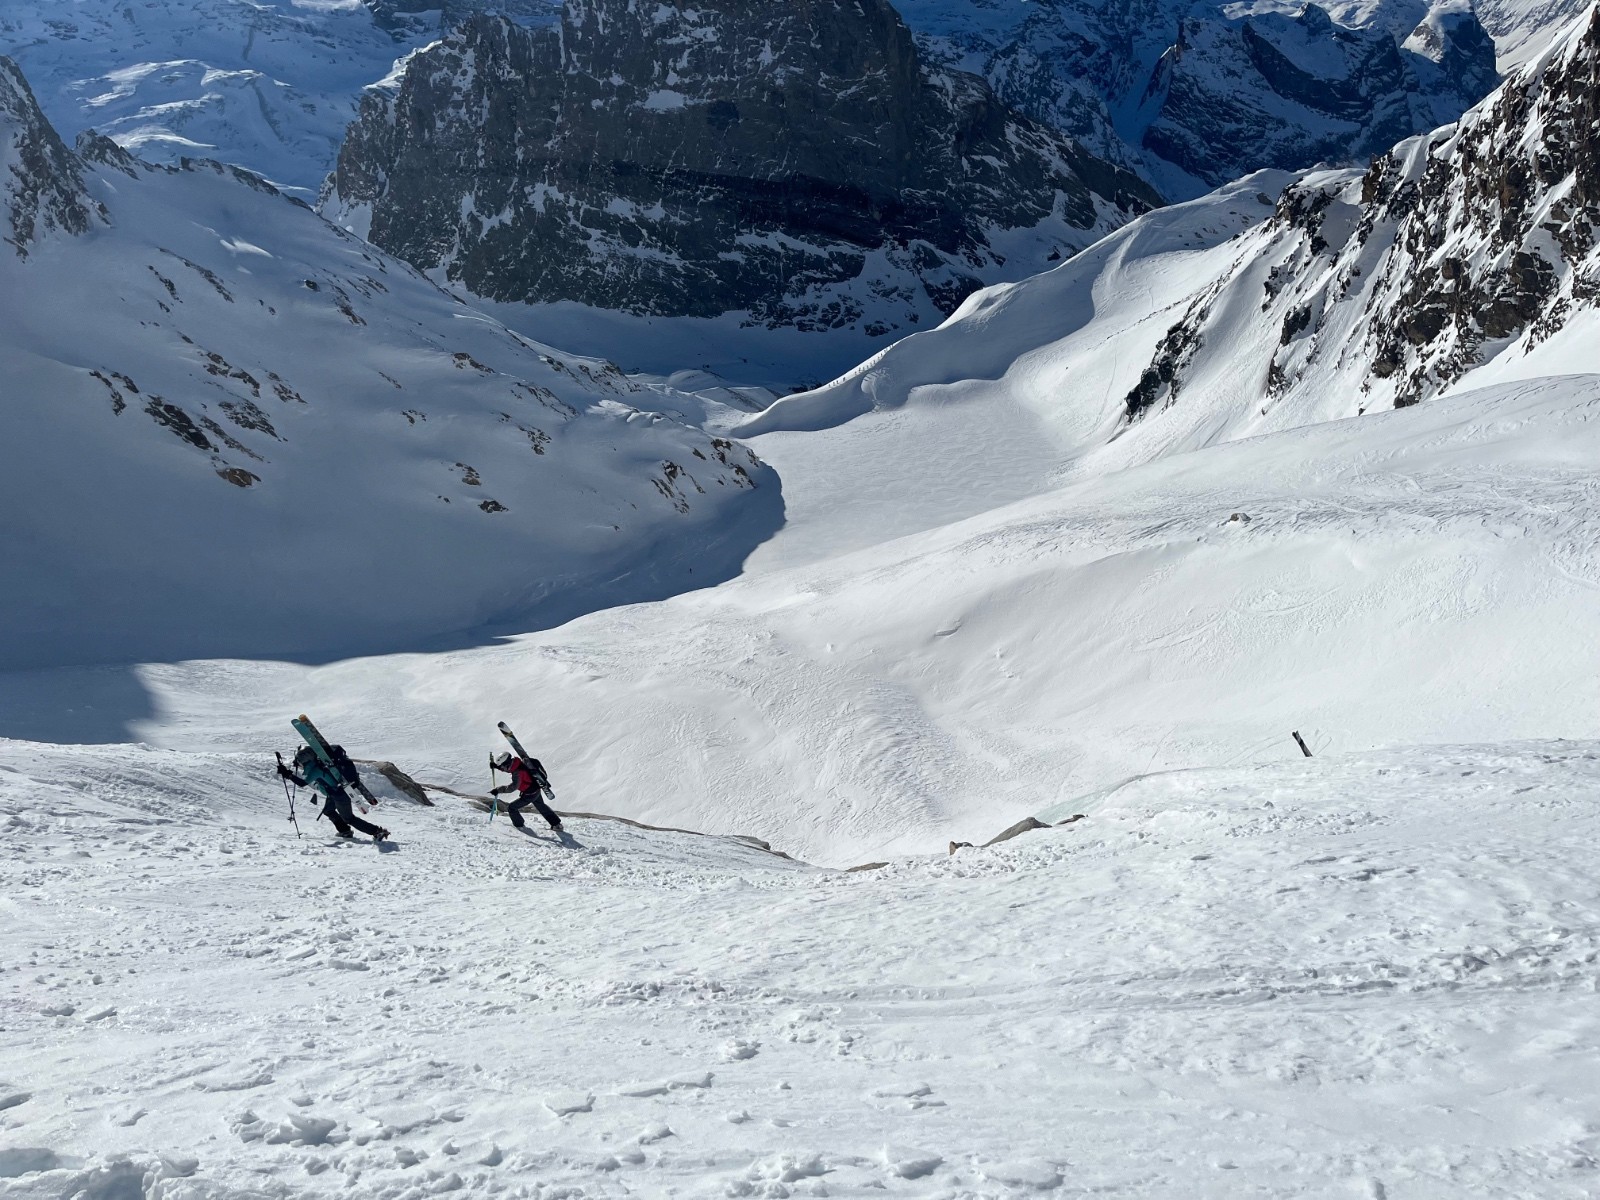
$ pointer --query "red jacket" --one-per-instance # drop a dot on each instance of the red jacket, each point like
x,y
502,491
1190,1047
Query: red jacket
x,y
525,777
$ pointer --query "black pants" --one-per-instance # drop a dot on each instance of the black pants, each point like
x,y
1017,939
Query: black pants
x,y
337,809
521,802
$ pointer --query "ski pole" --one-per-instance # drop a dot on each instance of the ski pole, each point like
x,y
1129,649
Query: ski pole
x,y
289,796
494,806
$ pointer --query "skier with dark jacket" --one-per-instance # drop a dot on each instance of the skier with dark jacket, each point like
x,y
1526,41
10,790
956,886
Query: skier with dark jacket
x,y
527,780
311,771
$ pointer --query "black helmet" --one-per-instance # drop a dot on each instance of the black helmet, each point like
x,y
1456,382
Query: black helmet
x,y
304,756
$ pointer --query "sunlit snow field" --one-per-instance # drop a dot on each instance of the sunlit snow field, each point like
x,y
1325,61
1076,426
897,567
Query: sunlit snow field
x,y
1363,976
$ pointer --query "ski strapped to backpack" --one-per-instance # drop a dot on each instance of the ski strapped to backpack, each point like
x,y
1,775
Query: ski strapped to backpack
x,y
332,757
516,746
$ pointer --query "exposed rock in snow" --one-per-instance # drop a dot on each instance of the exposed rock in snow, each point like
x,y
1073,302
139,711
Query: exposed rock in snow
x,y
794,162
1282,300
41,182
1476,241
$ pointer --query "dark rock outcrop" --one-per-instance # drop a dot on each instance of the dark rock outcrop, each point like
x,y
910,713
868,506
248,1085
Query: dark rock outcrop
x,y
1289,92
41,181
406,18
797,162
1494,231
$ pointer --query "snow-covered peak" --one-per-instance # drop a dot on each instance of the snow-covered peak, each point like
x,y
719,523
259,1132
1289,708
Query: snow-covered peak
x,y
269,85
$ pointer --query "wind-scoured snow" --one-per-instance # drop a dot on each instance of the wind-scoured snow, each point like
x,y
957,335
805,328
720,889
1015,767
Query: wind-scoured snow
x,y
1361,975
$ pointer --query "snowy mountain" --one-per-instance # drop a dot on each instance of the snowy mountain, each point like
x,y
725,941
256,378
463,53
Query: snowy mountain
x,y
796,164
229,428
1193,94
268,85
1468,255
1523,28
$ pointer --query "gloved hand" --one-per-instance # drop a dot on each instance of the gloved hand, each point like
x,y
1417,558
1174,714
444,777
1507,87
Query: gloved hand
x,y
285,772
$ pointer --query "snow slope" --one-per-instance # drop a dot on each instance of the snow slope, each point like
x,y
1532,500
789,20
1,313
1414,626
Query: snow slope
x,y
228,428
1357,976
1409,577
269,85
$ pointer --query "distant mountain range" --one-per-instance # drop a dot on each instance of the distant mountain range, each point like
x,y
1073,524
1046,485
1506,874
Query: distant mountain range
x,y
982,145
798,164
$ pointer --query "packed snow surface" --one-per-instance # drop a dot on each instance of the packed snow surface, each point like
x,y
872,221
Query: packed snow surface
x,y
1361,975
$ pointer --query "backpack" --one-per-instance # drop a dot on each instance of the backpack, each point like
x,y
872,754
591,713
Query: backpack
x,y
346,768
316,772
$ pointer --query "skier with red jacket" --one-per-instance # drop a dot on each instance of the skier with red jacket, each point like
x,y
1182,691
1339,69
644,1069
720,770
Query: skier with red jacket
x,y
528,779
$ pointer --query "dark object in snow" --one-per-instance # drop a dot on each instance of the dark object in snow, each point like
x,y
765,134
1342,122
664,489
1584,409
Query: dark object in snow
x,y
1017,830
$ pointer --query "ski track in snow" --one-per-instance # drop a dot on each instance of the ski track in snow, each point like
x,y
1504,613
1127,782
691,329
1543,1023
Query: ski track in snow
x,y
1365,975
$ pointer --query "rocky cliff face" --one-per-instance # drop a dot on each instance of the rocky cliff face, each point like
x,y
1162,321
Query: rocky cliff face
x,y
41,182
796,162
1290,92
1479,240
406,18
1193,95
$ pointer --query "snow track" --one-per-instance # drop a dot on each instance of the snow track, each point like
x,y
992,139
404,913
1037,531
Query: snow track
x,y
1363,975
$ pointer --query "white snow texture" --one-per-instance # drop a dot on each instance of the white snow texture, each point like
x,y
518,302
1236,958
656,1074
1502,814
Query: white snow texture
x,y
967,589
